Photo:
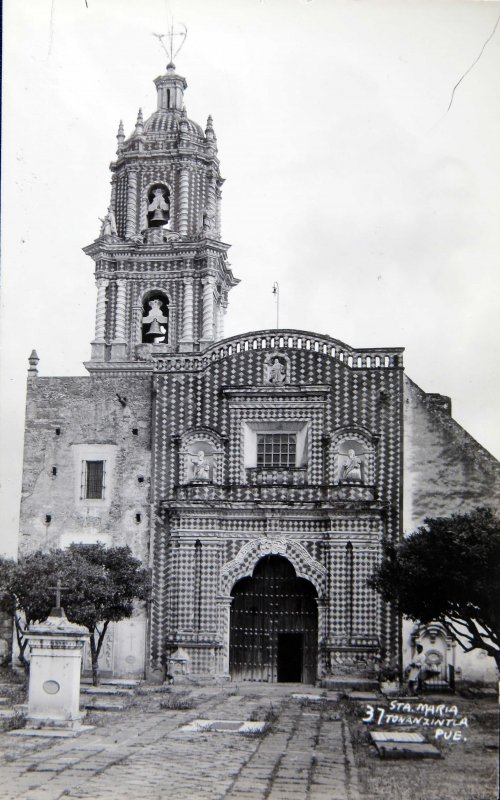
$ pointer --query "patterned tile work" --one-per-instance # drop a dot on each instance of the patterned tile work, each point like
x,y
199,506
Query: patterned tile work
x,y
221,395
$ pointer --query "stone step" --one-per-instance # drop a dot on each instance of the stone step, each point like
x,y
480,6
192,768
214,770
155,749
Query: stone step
x,y
354,683
369,697
106,690
103,706
124,683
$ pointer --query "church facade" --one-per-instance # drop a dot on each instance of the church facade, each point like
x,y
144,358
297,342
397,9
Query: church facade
x,y
257,476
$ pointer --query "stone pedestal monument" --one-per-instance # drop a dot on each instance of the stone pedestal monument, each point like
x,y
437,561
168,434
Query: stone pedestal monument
x,y
56,647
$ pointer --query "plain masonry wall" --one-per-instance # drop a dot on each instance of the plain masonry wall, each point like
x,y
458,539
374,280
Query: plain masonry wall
x,y
445,470
91,410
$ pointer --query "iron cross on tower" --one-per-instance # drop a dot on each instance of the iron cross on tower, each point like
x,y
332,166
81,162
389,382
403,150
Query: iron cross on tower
x,y
171,47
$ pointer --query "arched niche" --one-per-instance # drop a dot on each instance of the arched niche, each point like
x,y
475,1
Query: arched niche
x,y
155,317
353,457
157,205
200,458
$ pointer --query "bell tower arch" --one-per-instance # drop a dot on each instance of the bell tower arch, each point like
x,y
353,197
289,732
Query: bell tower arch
x,y
161,267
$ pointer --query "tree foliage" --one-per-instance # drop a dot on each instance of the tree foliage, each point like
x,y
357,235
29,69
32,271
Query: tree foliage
x,y
100,586
448,571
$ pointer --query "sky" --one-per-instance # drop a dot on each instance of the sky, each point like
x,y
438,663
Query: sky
x,y
349,180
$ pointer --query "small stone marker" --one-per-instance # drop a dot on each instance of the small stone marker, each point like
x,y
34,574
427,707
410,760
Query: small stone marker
x,y
54,685
400,744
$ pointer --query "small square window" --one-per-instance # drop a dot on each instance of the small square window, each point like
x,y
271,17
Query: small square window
x,y
93,480
276,450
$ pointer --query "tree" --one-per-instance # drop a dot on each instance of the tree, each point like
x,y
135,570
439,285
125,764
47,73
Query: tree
x,y
101,585
448,571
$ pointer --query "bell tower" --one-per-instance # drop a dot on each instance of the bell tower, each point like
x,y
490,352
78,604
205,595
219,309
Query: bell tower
x,y
162,272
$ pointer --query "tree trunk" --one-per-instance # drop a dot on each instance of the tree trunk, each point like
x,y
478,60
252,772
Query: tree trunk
x,y
94,655
95,650
22,643
497,661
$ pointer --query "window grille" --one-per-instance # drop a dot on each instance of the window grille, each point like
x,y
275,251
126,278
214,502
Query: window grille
x,y
276,450
93,480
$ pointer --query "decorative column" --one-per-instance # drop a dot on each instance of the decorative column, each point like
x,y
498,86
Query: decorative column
x,y
218,213
183,202
131,225
99,345
211,204
221,313
186,343
119,344
322,664
223,605
100,314
207,335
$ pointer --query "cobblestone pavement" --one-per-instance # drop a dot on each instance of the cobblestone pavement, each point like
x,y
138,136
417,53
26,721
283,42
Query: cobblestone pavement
x,y
305,754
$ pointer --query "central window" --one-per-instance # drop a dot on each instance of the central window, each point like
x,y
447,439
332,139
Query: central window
x,y
277,450
93,480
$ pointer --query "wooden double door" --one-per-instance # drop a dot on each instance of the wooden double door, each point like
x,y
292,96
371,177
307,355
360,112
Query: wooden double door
x,y
274,625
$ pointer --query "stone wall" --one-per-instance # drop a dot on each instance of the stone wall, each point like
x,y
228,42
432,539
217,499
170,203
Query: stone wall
x,y
445,470
70,419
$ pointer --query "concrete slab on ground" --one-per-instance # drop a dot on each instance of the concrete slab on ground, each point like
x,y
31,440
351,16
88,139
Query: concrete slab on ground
x,y
106,690
52,733
360,695
414,750
396,736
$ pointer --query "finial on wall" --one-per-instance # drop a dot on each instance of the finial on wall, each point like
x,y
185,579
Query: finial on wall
x,y
33,362
120,136
139,125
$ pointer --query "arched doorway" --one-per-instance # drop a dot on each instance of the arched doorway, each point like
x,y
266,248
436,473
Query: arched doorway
x,y
274,625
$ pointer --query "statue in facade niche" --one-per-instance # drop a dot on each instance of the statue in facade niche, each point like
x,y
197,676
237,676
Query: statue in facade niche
x,y
155,318
201,466
276,372
351,471
108,227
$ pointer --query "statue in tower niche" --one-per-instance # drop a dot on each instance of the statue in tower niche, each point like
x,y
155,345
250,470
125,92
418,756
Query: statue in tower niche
x,y
158,208
108,227
208,222
155,319
351,470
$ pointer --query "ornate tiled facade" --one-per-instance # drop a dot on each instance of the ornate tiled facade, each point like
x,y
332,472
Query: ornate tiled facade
x,y
278,448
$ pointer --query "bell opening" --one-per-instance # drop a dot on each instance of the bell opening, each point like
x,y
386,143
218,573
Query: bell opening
x,y
155,318
158,206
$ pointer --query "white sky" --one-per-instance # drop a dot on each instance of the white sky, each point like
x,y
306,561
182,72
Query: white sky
x,y
347,181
